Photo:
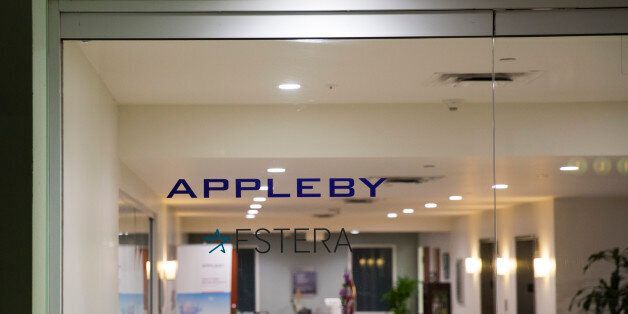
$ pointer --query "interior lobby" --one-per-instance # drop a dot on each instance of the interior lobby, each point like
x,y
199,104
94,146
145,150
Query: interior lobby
x,y
483,171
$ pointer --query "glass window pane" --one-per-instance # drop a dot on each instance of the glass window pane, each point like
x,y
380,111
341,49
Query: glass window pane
x,y
303,150
561,148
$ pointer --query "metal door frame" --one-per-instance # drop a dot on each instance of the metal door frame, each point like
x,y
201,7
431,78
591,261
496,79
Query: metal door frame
x,y
240,19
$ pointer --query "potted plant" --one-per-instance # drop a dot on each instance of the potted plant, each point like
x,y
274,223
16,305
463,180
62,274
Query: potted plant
x,y
608,296
397,298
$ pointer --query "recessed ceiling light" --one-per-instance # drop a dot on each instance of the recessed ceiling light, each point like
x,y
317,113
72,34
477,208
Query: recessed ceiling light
x,y
569,168
259,199
500,186
408,210
355,231
455,198
431,205
276,170
255,206
263,188
252,212
311,41
391,215
248,216
289,86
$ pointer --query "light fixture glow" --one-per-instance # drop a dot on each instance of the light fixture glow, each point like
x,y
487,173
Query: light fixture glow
x,y
391,215
472,265
542,267
500,186
289,86
379,262
148,270
502,266
259,199
569,168
408,210
355,231
263,188
455,198
252,212
310,41
431,205
276,170
168,269
255,206
249,216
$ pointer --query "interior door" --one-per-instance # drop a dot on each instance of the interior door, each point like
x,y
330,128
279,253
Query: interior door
x,y
487,277
525,248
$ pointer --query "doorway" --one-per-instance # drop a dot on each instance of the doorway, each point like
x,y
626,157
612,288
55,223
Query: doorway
x,y
487,276
525,249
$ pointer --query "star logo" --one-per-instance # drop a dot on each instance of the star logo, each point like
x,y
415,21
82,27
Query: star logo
x,y
217,237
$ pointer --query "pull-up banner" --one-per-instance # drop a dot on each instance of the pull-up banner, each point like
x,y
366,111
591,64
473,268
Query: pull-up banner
x,y
203,280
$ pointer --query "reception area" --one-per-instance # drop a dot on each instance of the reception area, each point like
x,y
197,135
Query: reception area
x,y
337,176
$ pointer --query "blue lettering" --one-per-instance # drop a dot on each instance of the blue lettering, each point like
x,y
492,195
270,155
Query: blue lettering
x,y
372,186
271,190
301,187
207,187
240,187
333,186
186,186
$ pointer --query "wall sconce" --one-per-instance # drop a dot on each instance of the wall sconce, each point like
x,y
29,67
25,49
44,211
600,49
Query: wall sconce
x,y
379,262
168,270
542,267
148,270
502,266
472,265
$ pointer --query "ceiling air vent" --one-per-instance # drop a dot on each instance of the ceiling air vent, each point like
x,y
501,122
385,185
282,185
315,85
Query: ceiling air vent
x,y
327,215
331,212
411,180
465,79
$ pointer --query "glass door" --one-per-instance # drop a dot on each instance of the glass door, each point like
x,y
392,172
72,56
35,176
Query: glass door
x,y
358,171
561,106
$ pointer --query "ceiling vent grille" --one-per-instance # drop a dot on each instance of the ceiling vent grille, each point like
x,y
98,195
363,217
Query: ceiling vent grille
x,y
468,79
323,216
358,200
331,212
412,180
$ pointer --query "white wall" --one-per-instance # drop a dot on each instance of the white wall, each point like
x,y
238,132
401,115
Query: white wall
x,y
90,185
529,219
523,220
568,231
465,242
585,226
371,130
442,241
93,178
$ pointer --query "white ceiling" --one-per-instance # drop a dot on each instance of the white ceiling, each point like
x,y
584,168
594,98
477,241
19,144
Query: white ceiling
x,y
360,71
384,117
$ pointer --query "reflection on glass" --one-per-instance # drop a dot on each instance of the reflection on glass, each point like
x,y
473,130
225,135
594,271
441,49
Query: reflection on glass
x,y
134,260
561,148
416,112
